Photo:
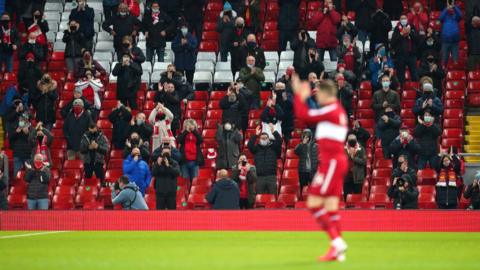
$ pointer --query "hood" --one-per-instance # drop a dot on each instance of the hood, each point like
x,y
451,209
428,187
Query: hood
x,y
226,184
131,185
47,86
307,132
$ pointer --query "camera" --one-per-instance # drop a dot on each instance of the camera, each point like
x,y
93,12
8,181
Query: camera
x,y
400,182
116,186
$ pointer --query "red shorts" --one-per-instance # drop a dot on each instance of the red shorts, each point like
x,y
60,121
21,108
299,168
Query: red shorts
x,y
328,181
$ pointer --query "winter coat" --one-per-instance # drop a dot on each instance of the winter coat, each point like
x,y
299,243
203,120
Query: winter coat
x,y
437,75
176,155
74,43
185,55
68,108
166,177
135,52
256,52
252,81
81,68
99,153
28,76
165,23
111,3
36,49
228,147
193,11
270,116
348,29
122,26
232,110
306,152
251,180
393,7
289,15
37,187
376,70
226,31
473,193
129,79
120,119
34,142
3,193
436,109
380,26
364,10
265,157
138,172
145,131
473,36
361,134
144,151
450,31
130,197
410,150
19,143
326,26
397,172
359,162
390,96
7,48
169,100
404,46
287,108
427,138
345,94
388,131
225,194
86,20
238,53
44,103
419,21
300,54
404,200
74,128
181,140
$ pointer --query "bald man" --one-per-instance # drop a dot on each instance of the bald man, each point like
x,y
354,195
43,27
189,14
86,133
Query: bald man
x,y
225,193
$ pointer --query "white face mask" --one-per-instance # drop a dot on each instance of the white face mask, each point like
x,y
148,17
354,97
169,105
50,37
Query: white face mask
x,y
428,86
155,10
403,22
184,31
386,85
31,41
250,66
264,142
228,126
123,13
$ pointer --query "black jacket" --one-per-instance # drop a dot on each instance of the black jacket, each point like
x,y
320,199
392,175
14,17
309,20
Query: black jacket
x,y
68,108
35,49
19,143
225,194
437,75
404,200
232,110
427,137
122,26
169,100
300,55
193,11
388,131
404,46
166,177
289,15
145,131
165,23
345,94
45,105
410,150
226,31
97,155
362,135
120,119
135,52
394,7
37,183
363,13
29,73
74,128
397,172
74,43
144,151
272,115
473,36
7,47
265,157
129,79
305,152
86,20
381,25
473,193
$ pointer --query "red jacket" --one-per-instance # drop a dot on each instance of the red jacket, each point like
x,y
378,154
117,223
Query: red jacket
x,y
418,20
326,25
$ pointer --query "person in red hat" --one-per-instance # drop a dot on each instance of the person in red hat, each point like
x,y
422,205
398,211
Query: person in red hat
x,y
29,73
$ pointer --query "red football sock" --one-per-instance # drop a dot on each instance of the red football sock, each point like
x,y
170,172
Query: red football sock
x,y
322,218
335,221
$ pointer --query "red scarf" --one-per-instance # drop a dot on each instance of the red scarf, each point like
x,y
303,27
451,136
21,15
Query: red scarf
x,y
243,183
155,17
42,148
349,58
40,37
7,34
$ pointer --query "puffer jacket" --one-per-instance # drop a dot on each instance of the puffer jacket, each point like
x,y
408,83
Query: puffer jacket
x,y
450,30
265,157
74,42
308,156
99,153
138,172
37,183
166,177
44,103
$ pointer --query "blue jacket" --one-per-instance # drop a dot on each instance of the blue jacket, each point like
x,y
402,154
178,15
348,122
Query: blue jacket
x,y
2,6
436,109
225,194
376,69
185,55
85,19
138,172
450,29
111,3
8,98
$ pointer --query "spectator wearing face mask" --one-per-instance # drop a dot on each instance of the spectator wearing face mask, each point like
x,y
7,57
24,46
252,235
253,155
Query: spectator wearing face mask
x,y
140,126
137,170
94,147
448,182
87,63
405,145
284,99
404,43
377,65
90,88
430,68
167,95
388,127
254,50
473,35
381,25
77,94
29,73
184,45
75,125
314,64
345,93
38,29
427,134
325,22
160,118
120,118
252,77
9,40
450,34
288,22
232,105
41,140
128,82
242,93
360,133
33,48
37,176
308,158
44,100
19,143
74,43
226,29
348,75
129,47
157,25
85,16
346,28
229,139
190,140
300,46
418,18
266,152
245,175
135,141
357,160
403,168
430,45
428,100
473,193
349,54
110,8
123,24
239,45
166,171
385,98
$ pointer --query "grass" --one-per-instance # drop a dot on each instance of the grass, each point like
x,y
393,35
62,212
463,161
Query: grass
x,y
236,250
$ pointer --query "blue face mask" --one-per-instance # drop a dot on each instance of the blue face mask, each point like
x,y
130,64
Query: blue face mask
x,y
386,85
382,52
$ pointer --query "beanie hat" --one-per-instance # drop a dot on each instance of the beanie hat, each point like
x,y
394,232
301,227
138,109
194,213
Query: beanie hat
x,y
78,102
227,6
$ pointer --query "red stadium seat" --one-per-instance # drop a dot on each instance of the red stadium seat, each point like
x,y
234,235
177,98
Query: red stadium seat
x,y
196,105
209,46
426,201
197,201
262,199
379,189
291,163
199,189
364,104
456,75
61,202
365,85
355,201
214,114
381,176
426,177
455,85
217,95
288,199
379,200
210,36
270,25
474,75
383,163
301,205
85,194
112,175
200,95
17,201
452,133
447,142
426,189
453,123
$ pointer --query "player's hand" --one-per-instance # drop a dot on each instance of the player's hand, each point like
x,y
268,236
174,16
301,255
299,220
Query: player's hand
x,y
300,88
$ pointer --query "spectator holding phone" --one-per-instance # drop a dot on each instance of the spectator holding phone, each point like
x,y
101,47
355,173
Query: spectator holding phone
x,y
166,170
404,193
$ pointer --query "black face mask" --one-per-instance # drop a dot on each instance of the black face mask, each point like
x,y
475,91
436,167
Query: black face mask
x,y
73,28
40,138
430,60
166,155
390,114
135,141
279,93
38,17
93,134
427,94
352,143
5,23
126,45
244,163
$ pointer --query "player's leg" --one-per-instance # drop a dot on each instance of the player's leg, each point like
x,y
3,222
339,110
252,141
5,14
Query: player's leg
x,y
331,205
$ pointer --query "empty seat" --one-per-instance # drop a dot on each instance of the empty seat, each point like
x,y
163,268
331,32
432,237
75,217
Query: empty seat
x,y
204,66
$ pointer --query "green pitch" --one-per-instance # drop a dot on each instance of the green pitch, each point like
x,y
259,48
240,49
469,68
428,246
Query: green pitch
x,y
235,250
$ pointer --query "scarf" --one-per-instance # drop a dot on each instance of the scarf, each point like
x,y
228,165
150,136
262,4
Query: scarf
x,y
447,177
6,35
243,182
42,148
349,58
409,40
40,37
155,16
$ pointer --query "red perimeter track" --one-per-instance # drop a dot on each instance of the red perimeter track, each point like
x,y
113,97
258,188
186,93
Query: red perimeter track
x,y
254,220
